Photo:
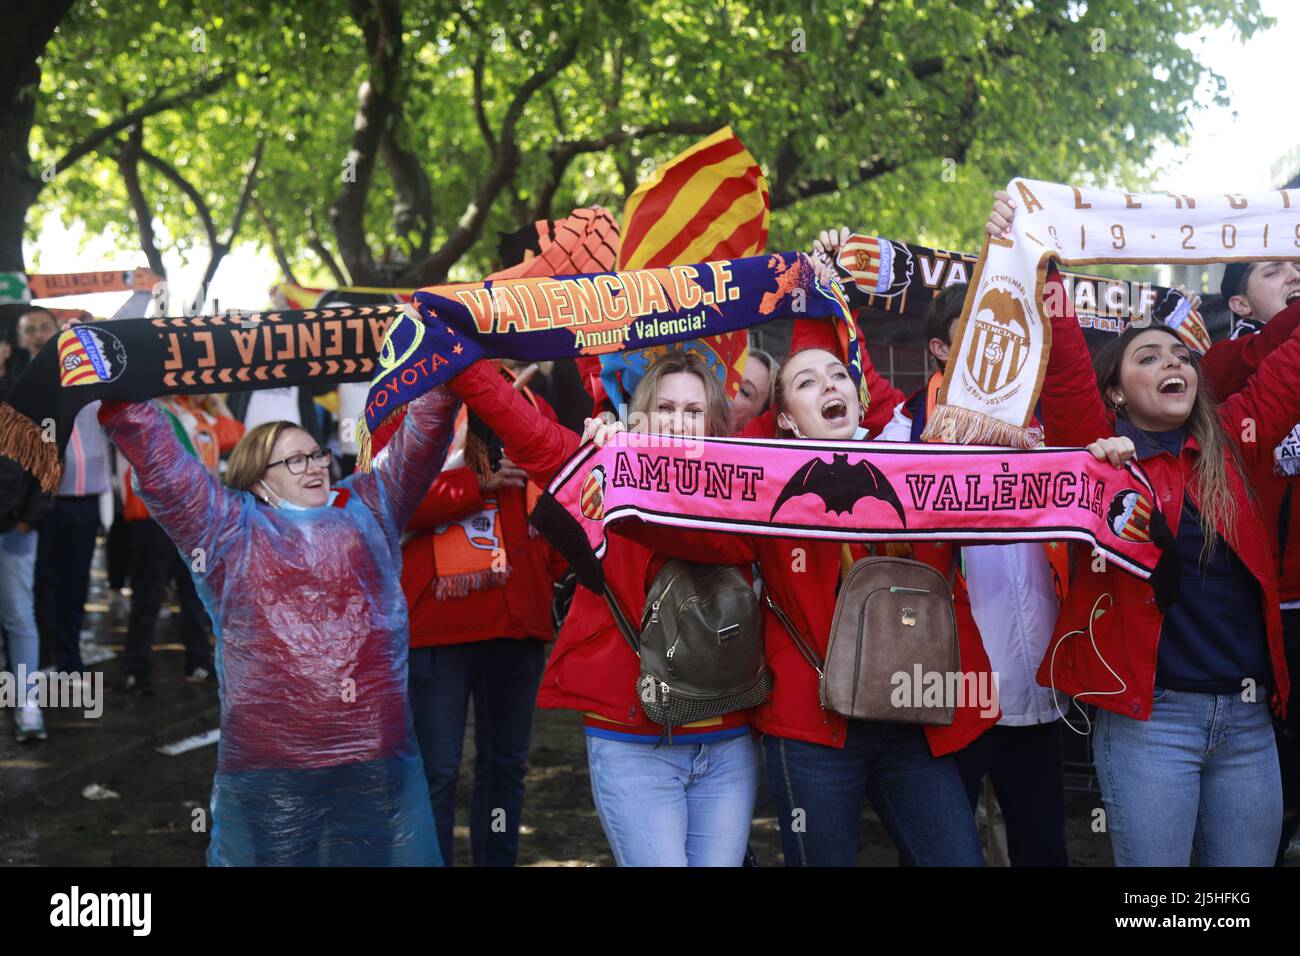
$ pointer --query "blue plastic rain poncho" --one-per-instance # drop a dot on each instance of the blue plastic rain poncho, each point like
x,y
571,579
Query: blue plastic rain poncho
x,y
317,762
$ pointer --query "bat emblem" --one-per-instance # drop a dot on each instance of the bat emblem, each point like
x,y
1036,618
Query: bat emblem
x,y
840,485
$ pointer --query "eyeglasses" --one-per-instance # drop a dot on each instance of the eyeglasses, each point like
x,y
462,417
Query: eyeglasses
x,y
297,464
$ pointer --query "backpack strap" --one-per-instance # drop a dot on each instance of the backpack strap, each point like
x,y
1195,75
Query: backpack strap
x,y
808,653
620,619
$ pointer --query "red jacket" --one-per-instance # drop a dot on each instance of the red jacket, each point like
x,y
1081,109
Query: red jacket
x,y
592,668
1127,629
795,707
1226,369
520,608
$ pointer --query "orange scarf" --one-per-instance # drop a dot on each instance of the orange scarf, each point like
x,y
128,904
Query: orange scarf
x,y
469,554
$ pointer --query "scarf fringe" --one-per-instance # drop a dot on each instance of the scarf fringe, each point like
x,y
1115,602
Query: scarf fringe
x,y
363,446
1287,466
965,426
24,442
459,585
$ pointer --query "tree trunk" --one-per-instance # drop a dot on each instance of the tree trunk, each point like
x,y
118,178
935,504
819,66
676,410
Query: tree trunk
x,y
18,187
28,28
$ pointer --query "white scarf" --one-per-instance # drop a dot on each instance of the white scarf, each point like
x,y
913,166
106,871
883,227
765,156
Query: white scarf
x,y
994,375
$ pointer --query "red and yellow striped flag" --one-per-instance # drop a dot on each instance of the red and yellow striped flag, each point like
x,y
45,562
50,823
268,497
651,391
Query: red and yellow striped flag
x,y
710,202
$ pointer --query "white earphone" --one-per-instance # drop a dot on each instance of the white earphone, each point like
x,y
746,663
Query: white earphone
x,y
1051,671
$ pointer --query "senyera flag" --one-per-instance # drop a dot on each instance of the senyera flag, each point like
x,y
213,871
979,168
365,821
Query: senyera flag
x,y
709,202
856,491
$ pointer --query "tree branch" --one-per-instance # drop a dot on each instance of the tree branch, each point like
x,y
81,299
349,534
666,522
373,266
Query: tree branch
x,y
866,170
480,115
317,245
381,23
184,185
128,161
277,247
219,250
563,153
505,163
246,191
132,118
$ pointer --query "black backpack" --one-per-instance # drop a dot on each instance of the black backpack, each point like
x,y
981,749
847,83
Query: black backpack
x,y
700,646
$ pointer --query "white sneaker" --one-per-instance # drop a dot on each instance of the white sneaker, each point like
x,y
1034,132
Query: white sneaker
x,y
29,724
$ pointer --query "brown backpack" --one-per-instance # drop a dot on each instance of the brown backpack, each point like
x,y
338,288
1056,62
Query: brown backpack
x,y
893,618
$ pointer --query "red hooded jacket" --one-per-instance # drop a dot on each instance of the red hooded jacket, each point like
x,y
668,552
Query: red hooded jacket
x,y
592,668
1126,630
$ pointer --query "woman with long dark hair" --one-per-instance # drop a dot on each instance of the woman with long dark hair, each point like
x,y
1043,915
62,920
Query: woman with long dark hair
x,y
1184,747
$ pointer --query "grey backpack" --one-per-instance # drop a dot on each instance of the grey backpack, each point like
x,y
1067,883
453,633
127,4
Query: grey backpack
x,y
700,646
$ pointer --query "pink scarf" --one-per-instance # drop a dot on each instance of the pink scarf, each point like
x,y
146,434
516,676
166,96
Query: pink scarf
x,y
855,491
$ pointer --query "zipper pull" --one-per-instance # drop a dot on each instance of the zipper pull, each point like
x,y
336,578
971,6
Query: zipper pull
x,y
654,613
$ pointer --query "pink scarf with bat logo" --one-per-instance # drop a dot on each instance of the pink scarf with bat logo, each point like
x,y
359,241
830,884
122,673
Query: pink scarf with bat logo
x,y
855,491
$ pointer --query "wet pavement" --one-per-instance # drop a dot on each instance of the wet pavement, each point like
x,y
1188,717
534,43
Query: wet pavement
x,y
44,817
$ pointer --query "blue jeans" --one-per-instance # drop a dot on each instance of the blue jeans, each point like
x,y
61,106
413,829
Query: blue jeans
x,y
501,676
820,792
17,603
675,805
1201,773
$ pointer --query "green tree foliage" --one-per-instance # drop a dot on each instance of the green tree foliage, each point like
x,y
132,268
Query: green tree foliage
x,y
395,138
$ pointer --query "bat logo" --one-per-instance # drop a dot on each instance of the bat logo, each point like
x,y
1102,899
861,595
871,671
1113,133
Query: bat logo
x,y
840,485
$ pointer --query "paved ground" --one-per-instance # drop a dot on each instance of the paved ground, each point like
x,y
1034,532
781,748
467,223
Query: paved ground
x,y
46,820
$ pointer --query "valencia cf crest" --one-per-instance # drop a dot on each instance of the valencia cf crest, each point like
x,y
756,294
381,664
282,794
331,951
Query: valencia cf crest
x,y
1130,516
593,494
90,356
879,267
1001,341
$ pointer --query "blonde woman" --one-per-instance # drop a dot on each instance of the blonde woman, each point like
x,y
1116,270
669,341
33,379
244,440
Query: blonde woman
x,y
317,764
687,803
